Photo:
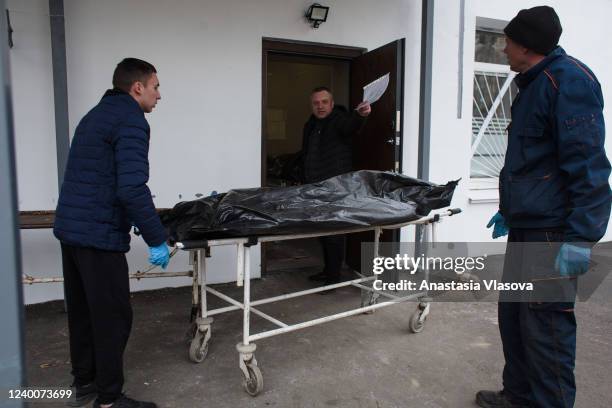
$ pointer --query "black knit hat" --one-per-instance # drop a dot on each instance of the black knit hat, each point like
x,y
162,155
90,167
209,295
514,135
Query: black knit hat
x,y
537,28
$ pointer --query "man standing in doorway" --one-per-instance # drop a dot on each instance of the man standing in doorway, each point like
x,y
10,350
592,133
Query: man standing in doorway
x,y
553,190
327,152
103,194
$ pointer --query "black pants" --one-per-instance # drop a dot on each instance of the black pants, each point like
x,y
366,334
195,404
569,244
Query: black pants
x,y
97,292
333,255
538,337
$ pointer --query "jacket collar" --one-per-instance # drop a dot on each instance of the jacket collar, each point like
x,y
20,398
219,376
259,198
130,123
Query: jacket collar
x,y
524,79
123,96
113,92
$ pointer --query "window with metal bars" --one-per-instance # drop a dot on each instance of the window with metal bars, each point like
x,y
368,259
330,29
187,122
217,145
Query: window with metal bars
x,y
494,91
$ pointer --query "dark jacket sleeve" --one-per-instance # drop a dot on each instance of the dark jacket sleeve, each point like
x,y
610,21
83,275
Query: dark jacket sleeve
x,y
349,124
301,155
131,147
583,160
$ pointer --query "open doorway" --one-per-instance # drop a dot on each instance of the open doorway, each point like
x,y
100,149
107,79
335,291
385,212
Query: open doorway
x,y
290,76
290,80
290,70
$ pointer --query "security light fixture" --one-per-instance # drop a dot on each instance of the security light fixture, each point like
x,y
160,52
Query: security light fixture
x,y
317,14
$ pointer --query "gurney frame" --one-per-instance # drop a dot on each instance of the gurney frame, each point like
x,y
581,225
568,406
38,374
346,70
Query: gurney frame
x,y
202,318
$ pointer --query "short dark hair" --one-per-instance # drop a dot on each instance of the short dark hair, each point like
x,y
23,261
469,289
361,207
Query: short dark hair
x,y
132,70
321,89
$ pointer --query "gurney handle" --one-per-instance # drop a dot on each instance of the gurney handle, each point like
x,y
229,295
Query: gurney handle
x,y
432,219
192,244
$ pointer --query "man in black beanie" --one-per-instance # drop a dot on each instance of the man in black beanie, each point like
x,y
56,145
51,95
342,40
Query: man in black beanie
x,y
554,191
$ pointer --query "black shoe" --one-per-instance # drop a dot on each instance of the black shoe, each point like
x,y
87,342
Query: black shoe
x,y
329,281
496,399
126,402
83,395
318,277
332,280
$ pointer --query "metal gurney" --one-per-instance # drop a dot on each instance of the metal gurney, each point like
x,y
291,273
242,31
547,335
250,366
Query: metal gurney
x,y
203,318
353,202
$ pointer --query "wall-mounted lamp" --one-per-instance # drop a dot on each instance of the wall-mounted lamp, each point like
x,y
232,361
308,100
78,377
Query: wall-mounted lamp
x,y
317,14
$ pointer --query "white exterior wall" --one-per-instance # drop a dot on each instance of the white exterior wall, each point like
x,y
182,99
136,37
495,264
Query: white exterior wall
x,y
583,34
36,161
206,130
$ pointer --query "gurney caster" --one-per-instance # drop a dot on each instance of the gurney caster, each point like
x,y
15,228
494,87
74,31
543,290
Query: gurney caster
x,y
253,380
417,321
198,349
368,299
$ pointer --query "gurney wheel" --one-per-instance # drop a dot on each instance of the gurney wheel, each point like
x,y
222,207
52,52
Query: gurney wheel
x,y
198,349
416,325
254,384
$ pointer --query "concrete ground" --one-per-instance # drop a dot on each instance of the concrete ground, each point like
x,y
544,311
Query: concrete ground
x,y
361,361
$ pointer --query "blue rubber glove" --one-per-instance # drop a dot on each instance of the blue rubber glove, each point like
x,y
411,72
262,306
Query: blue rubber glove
x,y
499,225
572,260
159,255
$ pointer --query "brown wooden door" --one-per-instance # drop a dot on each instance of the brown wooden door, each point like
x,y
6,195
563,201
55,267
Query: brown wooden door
x,y
378,146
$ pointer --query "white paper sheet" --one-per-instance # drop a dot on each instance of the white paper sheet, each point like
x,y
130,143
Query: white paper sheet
x,y
375,89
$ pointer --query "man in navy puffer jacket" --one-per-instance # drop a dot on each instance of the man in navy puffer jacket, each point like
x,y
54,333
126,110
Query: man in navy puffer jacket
x,y
103,194
554,203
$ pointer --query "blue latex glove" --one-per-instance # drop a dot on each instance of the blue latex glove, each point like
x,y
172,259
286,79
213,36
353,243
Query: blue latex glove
x,y
159,255
572,260
499,225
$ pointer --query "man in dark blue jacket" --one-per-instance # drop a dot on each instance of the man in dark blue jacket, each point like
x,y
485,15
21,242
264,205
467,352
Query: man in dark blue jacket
x,y
103,194
554,191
